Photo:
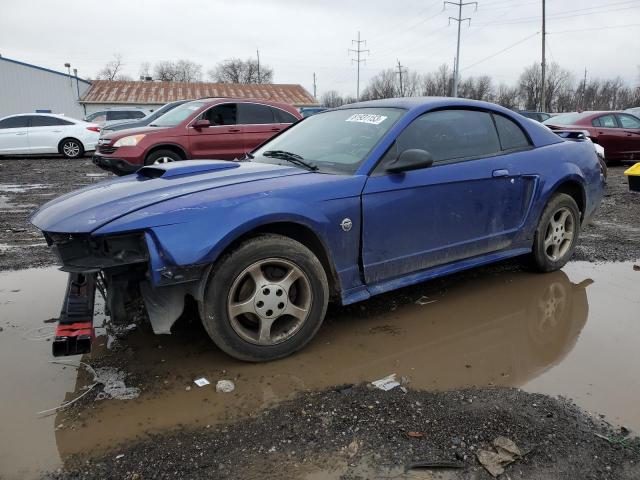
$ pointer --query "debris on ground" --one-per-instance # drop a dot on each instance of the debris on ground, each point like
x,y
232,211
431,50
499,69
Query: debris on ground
x,y
387,383
431,465
424,300
225,386
352,449
636,268
415,434
113,385
506,452
201,382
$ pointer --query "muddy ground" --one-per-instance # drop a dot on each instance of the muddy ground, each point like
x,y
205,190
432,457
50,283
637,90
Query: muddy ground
x,y
314,415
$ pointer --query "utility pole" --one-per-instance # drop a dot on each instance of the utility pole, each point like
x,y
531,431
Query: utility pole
x,y
459,19
544,63
258,54
358,51
314,86
584,89
400,71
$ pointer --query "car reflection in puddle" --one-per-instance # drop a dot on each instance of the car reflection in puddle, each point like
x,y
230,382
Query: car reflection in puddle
x,y
504,329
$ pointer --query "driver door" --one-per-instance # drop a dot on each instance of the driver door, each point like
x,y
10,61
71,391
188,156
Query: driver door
x,y
223,139
470,202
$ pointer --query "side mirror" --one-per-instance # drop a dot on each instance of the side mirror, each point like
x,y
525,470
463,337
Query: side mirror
x,y
202,123
411,159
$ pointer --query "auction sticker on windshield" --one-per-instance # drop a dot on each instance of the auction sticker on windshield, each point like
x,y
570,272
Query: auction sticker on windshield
x,y
366,118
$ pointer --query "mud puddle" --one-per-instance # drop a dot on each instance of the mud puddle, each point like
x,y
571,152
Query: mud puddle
x,y
572,333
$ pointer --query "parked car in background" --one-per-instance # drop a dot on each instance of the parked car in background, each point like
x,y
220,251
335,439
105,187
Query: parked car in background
x,y
109,116
539,116
633,111
617,132
347,204
46,133
143,122
220,128
308,111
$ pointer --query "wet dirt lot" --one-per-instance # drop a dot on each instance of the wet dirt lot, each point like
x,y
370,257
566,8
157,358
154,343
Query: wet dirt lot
x,y
571,333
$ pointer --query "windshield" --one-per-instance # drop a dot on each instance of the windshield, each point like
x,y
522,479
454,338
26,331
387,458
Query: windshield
x,y
177,115
333,142
565,119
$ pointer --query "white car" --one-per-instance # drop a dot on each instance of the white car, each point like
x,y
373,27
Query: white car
x,y
41,133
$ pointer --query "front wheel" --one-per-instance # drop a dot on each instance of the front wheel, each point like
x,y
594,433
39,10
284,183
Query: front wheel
x,y
266,299
162,156
557,233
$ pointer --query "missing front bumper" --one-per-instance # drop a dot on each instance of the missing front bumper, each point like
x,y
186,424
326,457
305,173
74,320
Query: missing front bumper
x,y
75,333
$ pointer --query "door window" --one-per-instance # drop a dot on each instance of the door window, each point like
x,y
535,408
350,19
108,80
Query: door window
x,y
124,114
629,121
43,121
511,135
15,122
97,117
605,121
225,114
283,117
450,135
255,114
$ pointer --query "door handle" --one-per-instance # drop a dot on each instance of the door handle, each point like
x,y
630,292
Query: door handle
x,y
275,129
234,130
57,131
21,133
503,172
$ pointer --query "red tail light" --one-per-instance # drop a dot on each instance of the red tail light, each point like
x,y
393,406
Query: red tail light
x,y
94,129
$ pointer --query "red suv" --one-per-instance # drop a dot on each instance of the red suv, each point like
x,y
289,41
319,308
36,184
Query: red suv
x,y
221,128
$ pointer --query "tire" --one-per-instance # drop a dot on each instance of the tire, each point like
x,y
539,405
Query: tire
x,y
556,234
71,148
275,320
162,156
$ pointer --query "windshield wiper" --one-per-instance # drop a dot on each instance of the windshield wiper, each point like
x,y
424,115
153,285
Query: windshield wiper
x,y
290,157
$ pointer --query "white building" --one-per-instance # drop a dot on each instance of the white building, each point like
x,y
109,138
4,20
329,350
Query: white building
x,y
26,88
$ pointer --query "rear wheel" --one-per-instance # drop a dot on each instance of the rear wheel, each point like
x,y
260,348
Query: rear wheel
x,y
162,156
557,233
266,299
71,148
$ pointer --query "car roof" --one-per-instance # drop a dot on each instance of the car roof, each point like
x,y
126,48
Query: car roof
x,y
41,114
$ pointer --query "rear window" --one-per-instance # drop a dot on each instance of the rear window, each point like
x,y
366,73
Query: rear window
x,y
43,121
511,135
124,114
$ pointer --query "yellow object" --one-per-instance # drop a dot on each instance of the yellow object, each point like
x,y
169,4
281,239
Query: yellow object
x,y
634,170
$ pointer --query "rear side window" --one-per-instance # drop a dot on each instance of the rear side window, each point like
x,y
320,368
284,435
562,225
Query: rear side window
x,y
628,121
451,134
15,122
606,121
511,135
124,114
283,117
225,114
97,117
38,121
252,113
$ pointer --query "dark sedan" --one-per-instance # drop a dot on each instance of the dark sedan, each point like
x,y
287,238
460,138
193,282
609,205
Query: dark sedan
x,y
617,132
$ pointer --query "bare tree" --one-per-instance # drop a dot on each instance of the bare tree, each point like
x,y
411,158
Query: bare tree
x,y
331,99
507,96
236,70
178,71
112,70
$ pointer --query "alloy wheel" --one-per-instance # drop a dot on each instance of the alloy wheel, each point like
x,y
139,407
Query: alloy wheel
x,y
71,149
269,301
163,160
559,234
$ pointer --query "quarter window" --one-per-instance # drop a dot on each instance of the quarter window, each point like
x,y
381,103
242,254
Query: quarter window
x,y
225,114
15,122
605,121
628,121
511,135
252,113
451,135
283,117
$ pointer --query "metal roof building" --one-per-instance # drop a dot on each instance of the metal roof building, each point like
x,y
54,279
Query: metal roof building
x,y
150,94
26,88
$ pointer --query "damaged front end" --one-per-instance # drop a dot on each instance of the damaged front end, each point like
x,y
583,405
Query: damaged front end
x,y
124,268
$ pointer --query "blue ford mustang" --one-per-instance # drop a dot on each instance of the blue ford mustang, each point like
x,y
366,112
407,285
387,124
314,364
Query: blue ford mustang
x,y
344,205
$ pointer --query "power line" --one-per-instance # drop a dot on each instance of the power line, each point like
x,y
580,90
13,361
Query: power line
x,y
459,19
358,51
605,27
502,51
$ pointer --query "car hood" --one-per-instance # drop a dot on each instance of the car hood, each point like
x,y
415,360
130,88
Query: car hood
x,y
90,208
131,131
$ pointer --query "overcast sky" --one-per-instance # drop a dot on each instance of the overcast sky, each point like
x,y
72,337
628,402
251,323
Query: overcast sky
x,y
298,37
